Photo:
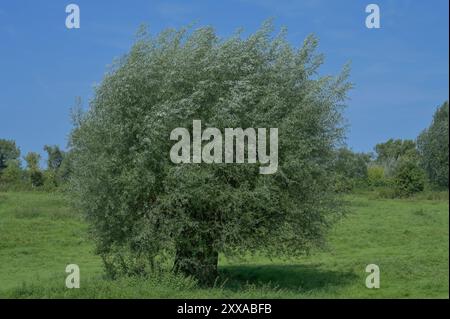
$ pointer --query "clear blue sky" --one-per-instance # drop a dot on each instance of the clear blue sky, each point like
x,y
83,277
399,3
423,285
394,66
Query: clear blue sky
x,y
400,71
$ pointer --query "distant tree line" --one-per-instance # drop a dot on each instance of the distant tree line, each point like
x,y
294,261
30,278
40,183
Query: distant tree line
x,y
14,176
399,167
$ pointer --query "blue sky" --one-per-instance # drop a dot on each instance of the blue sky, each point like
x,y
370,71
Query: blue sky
x,y
400,71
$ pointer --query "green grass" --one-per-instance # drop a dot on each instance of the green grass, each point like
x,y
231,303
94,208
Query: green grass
x,y
407,239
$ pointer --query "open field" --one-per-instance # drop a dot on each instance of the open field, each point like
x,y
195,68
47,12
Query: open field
x,y
407,239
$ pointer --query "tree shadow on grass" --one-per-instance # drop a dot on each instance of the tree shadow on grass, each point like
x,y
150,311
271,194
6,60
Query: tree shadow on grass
x,y
288,277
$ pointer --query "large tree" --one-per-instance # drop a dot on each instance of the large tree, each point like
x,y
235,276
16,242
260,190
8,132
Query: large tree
x,y
433,147
142,206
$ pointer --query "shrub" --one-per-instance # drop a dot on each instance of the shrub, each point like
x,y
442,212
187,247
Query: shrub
x,y
343,184
49,180
409,179
36,178
375,176
12,174
351,169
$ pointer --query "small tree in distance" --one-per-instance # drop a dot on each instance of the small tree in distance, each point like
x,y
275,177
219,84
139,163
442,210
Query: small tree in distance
x,y
392,152
142,207
55,156
8,152
33,169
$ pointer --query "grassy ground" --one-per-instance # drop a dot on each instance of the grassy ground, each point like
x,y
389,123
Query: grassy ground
x,y
407,239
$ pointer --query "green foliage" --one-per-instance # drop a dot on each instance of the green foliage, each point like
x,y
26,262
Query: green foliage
x,y
376,176
409,178
352,165
8,152
11,176
343,184
32,159
394,149
433,147
351,169
55,157
58,167
138,201
390,154
36,178
65,170
49,181
386,192
34,172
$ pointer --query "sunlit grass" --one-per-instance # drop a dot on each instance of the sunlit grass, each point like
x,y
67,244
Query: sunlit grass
x,y
407,239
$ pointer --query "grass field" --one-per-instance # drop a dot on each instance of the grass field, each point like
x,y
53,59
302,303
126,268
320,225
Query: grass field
x,y
407,239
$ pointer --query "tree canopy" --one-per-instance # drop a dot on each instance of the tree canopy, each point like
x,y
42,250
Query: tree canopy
x,y
8,152
394,149
55,156
433,147
142,206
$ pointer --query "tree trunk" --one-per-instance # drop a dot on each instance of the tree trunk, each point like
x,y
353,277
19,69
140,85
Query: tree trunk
x,y
196,257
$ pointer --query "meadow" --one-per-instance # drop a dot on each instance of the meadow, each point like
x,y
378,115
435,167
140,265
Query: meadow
x,y
407,238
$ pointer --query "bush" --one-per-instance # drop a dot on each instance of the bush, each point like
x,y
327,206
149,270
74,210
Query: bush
x,y
409,179
12,174
375,176
343,184
386,192
36,178
351,169
49,180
